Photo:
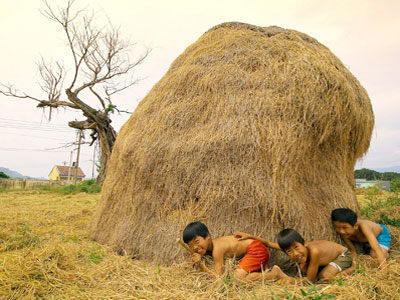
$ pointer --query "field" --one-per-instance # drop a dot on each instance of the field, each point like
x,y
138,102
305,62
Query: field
x,y
45,253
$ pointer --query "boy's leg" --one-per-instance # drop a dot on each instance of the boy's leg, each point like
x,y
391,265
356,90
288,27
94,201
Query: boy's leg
x,y
253,276
343,263
385,253
328,272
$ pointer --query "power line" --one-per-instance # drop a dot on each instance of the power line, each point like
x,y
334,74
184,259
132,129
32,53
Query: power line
x,y
31,150
33,128
33,136
23,122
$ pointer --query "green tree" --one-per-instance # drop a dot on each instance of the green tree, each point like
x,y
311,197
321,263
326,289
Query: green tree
x,y
367,174
395,186
389,176
3,175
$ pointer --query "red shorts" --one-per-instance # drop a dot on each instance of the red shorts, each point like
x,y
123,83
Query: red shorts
x,y
256,257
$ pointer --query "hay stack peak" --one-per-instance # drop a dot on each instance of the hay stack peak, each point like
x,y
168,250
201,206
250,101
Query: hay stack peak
x,y
251,129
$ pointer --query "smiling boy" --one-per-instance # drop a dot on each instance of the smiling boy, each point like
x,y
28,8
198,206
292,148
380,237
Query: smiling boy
x,y
322,259
253,253
371,234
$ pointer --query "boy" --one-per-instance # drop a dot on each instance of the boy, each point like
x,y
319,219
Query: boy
x,y
322,258
255,254
375,236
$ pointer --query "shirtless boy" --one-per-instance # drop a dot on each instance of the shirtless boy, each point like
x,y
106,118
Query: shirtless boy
x,y
254,254
322,259
375,236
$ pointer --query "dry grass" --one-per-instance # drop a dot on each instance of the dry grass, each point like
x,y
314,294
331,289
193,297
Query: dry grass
x,y
45,253
249,126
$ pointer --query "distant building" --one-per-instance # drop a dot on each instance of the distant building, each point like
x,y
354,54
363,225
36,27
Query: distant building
x,y
65,173
364,183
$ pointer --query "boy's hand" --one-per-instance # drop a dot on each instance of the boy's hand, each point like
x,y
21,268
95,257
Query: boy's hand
x,y
196,258
242,236
383,267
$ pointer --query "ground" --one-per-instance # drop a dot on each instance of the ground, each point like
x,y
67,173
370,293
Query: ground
x,y
45,253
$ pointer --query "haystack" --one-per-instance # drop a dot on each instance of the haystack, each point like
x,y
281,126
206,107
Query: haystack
x,y
252,129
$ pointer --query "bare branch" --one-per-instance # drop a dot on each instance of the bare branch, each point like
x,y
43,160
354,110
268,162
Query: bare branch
x,y
52,79
82,125
11,91
98,97
66,20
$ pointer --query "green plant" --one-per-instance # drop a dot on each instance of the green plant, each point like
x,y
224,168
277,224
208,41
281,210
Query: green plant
x,y
86,186
395,186
22,238
384,219
374,204
313,293
372,191
360,270
95,256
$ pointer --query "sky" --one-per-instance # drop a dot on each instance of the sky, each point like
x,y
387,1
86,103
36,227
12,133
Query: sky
x,y
364,34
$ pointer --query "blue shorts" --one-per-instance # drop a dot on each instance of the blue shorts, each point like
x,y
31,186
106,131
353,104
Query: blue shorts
x,y
384,238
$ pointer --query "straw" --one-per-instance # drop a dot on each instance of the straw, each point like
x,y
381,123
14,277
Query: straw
x,y
252,129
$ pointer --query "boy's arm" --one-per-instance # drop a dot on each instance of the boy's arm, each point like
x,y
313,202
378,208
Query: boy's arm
x,y
218,257
244,236
196,259
351,269
351,247
373,242
312,269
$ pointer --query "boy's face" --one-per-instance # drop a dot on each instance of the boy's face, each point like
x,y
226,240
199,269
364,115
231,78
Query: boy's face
x,y
200,245
297,252
344,229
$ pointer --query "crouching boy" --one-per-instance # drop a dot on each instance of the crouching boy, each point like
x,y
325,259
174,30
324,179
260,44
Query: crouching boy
x,y
253,253
322,259
374,237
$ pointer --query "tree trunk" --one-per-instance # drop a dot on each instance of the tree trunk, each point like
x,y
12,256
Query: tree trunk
x,y
100,123
107,136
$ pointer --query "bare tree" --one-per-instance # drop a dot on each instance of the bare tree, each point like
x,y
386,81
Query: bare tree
x,y
102,65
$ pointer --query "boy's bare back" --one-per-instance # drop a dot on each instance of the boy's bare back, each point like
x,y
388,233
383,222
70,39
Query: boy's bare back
x,y
229,246
359,235
327,250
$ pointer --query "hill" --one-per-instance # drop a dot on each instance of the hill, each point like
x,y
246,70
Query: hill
x,y
389,169
11,173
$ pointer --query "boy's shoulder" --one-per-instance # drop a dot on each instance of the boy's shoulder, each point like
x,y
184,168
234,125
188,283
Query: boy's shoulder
x,y
229,245
224,241
322,245
370,225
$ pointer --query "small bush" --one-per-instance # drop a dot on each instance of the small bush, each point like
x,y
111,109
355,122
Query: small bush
x,y
375,204
385,220
86,186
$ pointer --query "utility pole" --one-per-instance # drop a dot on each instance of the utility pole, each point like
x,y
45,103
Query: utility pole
x,y
77,157
70,166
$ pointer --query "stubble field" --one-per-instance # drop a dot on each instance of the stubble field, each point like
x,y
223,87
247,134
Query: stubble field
x,y
45,253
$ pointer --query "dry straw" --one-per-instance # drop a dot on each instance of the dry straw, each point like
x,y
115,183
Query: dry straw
x,y
64,263
252,129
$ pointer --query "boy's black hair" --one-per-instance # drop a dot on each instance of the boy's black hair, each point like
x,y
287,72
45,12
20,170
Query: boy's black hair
x,y
344,215
287,237
194,229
